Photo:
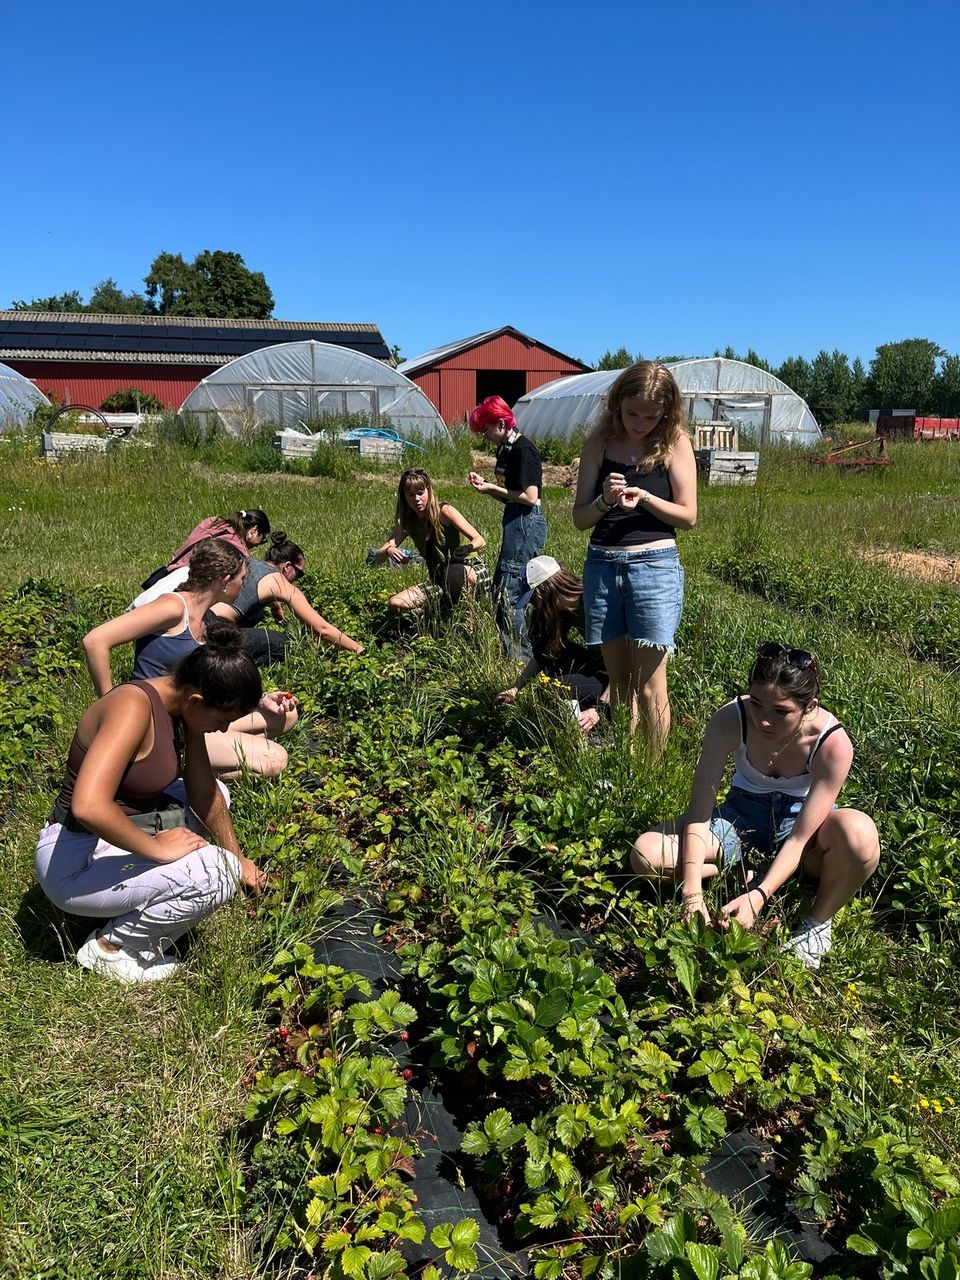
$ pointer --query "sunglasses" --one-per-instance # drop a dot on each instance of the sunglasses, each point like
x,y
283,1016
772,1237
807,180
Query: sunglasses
x,y
798,658
297,573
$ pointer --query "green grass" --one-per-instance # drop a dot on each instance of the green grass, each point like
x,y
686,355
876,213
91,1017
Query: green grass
x,y
119,1110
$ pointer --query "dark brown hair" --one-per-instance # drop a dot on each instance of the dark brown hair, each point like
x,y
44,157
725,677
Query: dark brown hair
x,y
221,671
795,678
283,549
552,603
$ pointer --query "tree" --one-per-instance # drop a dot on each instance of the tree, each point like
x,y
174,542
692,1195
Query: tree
x,y
619,359
216,283
109,299
797,374
57,302
831,391
902,375
946,389
858,387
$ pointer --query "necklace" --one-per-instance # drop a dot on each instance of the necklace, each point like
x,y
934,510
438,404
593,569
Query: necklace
x,y
775,755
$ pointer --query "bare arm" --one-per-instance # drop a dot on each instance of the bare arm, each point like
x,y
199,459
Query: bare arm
x,y
526,675
831,765
588,510
385,552
528,497
280,589
465,529
719,743
207,802
150,619
681,511
118,737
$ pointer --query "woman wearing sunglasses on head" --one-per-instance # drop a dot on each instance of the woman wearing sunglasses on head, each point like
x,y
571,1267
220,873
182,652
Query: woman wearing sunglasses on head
x,y
271,582
791,757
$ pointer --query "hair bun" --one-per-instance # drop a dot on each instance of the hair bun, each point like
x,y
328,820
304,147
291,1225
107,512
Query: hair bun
x,y
223,638
279,537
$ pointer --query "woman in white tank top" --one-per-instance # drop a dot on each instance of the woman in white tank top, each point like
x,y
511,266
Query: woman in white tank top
x,y
791,757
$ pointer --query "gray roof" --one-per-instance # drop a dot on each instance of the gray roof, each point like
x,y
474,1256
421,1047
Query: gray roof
x,y
186,322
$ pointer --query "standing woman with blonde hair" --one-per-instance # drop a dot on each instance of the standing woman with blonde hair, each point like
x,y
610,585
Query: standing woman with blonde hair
x,y
636,487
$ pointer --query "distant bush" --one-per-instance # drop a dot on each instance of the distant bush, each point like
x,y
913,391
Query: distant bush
x,y
561,451
132,400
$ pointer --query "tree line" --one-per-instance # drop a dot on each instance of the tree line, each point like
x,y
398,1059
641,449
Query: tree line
x,y
216,284
914,373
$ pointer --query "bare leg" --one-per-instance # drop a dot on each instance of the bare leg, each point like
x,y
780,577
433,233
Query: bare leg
x,y
649,679
656,853
231,753
618,661
407,601
844,854
271,723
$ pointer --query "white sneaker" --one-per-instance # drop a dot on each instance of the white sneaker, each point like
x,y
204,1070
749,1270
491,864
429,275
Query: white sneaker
x,y
811,942
123,965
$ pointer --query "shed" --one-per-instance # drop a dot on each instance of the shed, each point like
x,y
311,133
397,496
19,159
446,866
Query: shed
x,y
716,390
502,362
294,382
18,398
83,357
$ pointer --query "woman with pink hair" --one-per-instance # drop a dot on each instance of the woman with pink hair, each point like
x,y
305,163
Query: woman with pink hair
x,y
519,487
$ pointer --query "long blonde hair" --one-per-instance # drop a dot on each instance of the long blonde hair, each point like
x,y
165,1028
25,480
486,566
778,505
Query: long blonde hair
x,y
649,381
406,518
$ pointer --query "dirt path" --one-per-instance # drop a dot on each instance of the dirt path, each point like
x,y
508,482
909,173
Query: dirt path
x,y
926,567
555,477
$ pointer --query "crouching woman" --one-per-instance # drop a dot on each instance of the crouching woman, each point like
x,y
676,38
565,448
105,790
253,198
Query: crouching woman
x,y
790,757
140,836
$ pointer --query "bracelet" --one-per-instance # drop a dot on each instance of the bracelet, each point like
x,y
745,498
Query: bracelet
x,y
602,504
762,892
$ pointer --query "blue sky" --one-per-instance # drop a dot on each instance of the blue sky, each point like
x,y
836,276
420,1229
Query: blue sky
x,y
672,178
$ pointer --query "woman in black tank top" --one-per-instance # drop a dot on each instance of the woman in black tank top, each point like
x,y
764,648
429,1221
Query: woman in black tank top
x,y
637,485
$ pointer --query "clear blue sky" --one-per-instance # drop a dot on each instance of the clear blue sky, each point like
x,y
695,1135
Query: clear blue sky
x,y
673,177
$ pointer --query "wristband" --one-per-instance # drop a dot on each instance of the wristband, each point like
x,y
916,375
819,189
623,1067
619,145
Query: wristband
x,y
762,893
602,504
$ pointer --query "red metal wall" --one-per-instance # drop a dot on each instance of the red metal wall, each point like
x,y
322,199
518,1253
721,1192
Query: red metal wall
x,y
91,383
452,384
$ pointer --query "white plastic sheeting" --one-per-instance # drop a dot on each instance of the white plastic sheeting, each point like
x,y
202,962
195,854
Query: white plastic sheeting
x,y
715,390
18,398
292,382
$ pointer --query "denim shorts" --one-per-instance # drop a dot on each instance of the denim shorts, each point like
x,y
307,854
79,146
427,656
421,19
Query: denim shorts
x,y
748,823
633,593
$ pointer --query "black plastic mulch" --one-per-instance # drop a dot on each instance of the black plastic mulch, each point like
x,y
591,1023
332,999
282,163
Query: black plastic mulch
x,y
432,1114
744,1168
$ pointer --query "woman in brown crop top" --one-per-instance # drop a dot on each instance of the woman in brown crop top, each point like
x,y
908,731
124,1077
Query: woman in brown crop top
x,y
140,836
637,485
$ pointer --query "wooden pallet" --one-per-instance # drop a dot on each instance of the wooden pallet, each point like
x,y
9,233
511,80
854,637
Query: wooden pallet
x,y
728,466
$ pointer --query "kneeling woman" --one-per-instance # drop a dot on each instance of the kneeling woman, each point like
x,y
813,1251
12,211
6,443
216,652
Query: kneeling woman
x,y
172,626
554,606
271,582
436,529
140,835
791,757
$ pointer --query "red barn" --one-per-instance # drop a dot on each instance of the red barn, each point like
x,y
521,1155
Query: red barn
x,y
502,362
81,358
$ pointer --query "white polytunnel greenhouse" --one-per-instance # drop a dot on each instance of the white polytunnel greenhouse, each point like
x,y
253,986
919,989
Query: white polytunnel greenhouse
x,y
292,383
18,398
716,391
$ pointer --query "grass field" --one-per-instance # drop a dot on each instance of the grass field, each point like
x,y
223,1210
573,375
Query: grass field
x,y
223,1125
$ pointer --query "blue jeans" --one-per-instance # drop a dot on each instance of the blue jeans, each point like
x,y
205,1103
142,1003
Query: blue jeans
x,y
524,536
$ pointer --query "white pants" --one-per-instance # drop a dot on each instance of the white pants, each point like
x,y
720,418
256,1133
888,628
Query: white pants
x,y
148,904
